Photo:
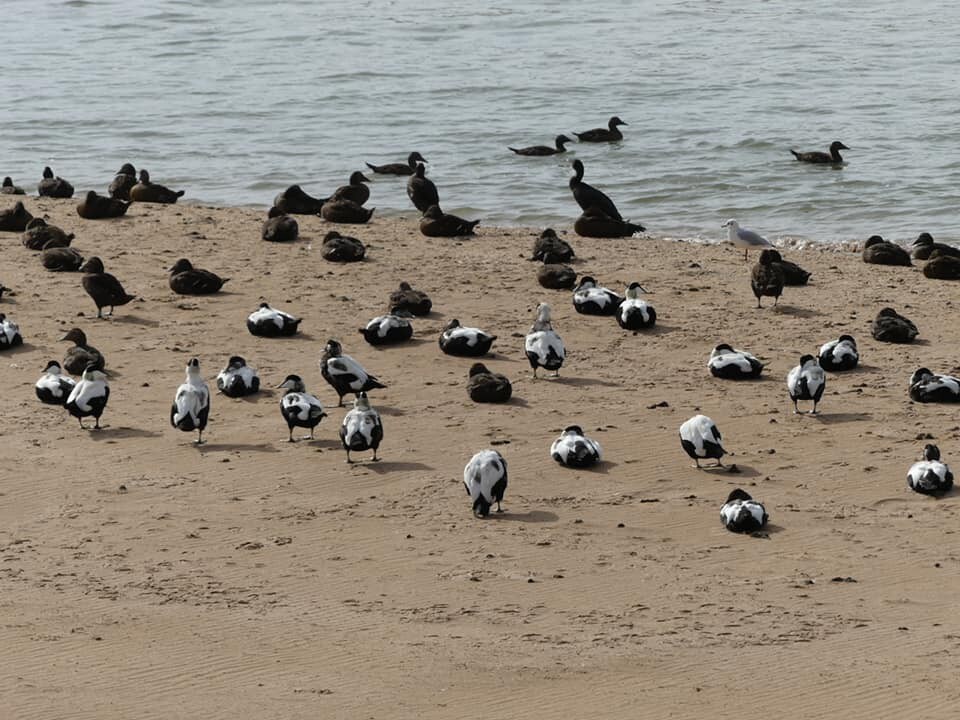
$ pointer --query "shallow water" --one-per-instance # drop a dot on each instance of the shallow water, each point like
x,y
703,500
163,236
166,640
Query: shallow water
x,y
234,99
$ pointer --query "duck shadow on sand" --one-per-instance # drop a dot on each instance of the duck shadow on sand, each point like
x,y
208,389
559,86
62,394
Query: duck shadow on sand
x,y
656,330
132,320
830,418
531,516
581,381
517,401
794,311
229,447
601,468
21,348
412,342
108,432
387,466
742,471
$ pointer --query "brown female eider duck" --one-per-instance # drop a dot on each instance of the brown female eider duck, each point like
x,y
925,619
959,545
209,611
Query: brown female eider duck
x,y
484,386
889,326
793,274
597,224
61,259
55,187
878,251
766,278
607,134
15,219
399,168
550,249
341,248
81,354
355,190
588,197
99,207
421,190
294,201
125,179
542,150
436,223
102,287
8,188
557,277
942,266
39,235
822,158
188,280
924,246
279,227
149,192
345,212
407,299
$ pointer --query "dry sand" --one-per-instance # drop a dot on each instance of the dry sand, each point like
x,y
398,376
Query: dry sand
x,y
253,578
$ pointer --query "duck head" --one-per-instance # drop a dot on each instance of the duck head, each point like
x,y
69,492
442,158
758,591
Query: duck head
x,y
361,402
144,177
47,173
452,324
931,452
181,265
37,222
76,336
573,430
127,169
92,266
634,289
236,362
52,368
577,166
415,157
357,177
739,494
848,338
873,240
924,238
292,383
722,348
919,374
333,348
807,359
614,121
837,145
477,369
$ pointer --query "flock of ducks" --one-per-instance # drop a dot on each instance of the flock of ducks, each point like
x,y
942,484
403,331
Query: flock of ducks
x,y
361,430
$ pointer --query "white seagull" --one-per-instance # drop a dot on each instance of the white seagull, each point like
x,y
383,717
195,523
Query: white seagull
x,y
743,238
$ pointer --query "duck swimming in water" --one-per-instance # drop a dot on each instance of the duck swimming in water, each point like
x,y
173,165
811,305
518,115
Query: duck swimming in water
x,y
421,190
102,287
878,251
543,150
279,227
822,158
588,197
54,187
611,133
147,191
436,223
399,168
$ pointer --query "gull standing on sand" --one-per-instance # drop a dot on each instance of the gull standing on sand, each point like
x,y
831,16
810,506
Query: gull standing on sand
x,y
743,238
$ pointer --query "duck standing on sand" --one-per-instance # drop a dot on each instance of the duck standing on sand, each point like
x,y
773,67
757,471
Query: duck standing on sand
x,y
54,187
268,322
484,386
149,192
700,438
635,313
942,266
362,428
436,223
588,197
731,364
594,223
930,476
592,299
125,179
102,287
485,478
279,227
890,326
295,201
574,449
15,219
238,379
9,334
877,251
298,407
342,248
465,341
822,158
793,274
388,329
549,249
191,404
8,188
839,354
557,277
542,345
542,150
742,514
53,387
806,381
185,279
924,246
926,387
399,168
421,190
766,278
344,373
98,207
40,235
355,189
744,238
610,133
81,355
61,259
89,397
415,302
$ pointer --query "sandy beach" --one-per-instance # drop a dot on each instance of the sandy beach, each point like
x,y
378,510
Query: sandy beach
x,y
143,577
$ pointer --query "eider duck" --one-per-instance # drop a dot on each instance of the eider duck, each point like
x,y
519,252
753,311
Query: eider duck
x,y
541,150
125,179
766,278
354,190
839,354
345,212
421,190
700,438
102,287
89,397
806,381
924,246
742,514
61,259
574,449
15,219
238,379
550,249
793,274
387,330
267,322
9,334
942,266
188,280
415,302
591,299
436,223
542,345
465,341
610,133
39,235
298,407
191,404
594,223
399,168
930,476
731,364
294,201
8,188
54,187
822,158
634,313
890,326
878,251
588,197
743,238
557,277
362,428
81,355
925,387
341,248
485,478
98,207
345,374
484,386
149,192
279,227
53,387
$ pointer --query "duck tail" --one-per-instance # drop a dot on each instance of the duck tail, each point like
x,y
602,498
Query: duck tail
x,y
372,167
513,150
795,153
180,193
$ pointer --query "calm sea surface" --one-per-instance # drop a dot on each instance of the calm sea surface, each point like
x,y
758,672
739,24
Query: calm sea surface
x,y
234,99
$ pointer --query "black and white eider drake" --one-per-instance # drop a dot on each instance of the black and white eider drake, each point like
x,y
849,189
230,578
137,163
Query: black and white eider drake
x,y
700,438
591,299
362,428
9,333
543,346
926,387
742,514
484,386
839,354
53,387
387,329
930,476
238,379
485,478
731,364
345,374
574,449
806,381
267,322
298,407
89,396
191,404
634,313
465,341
